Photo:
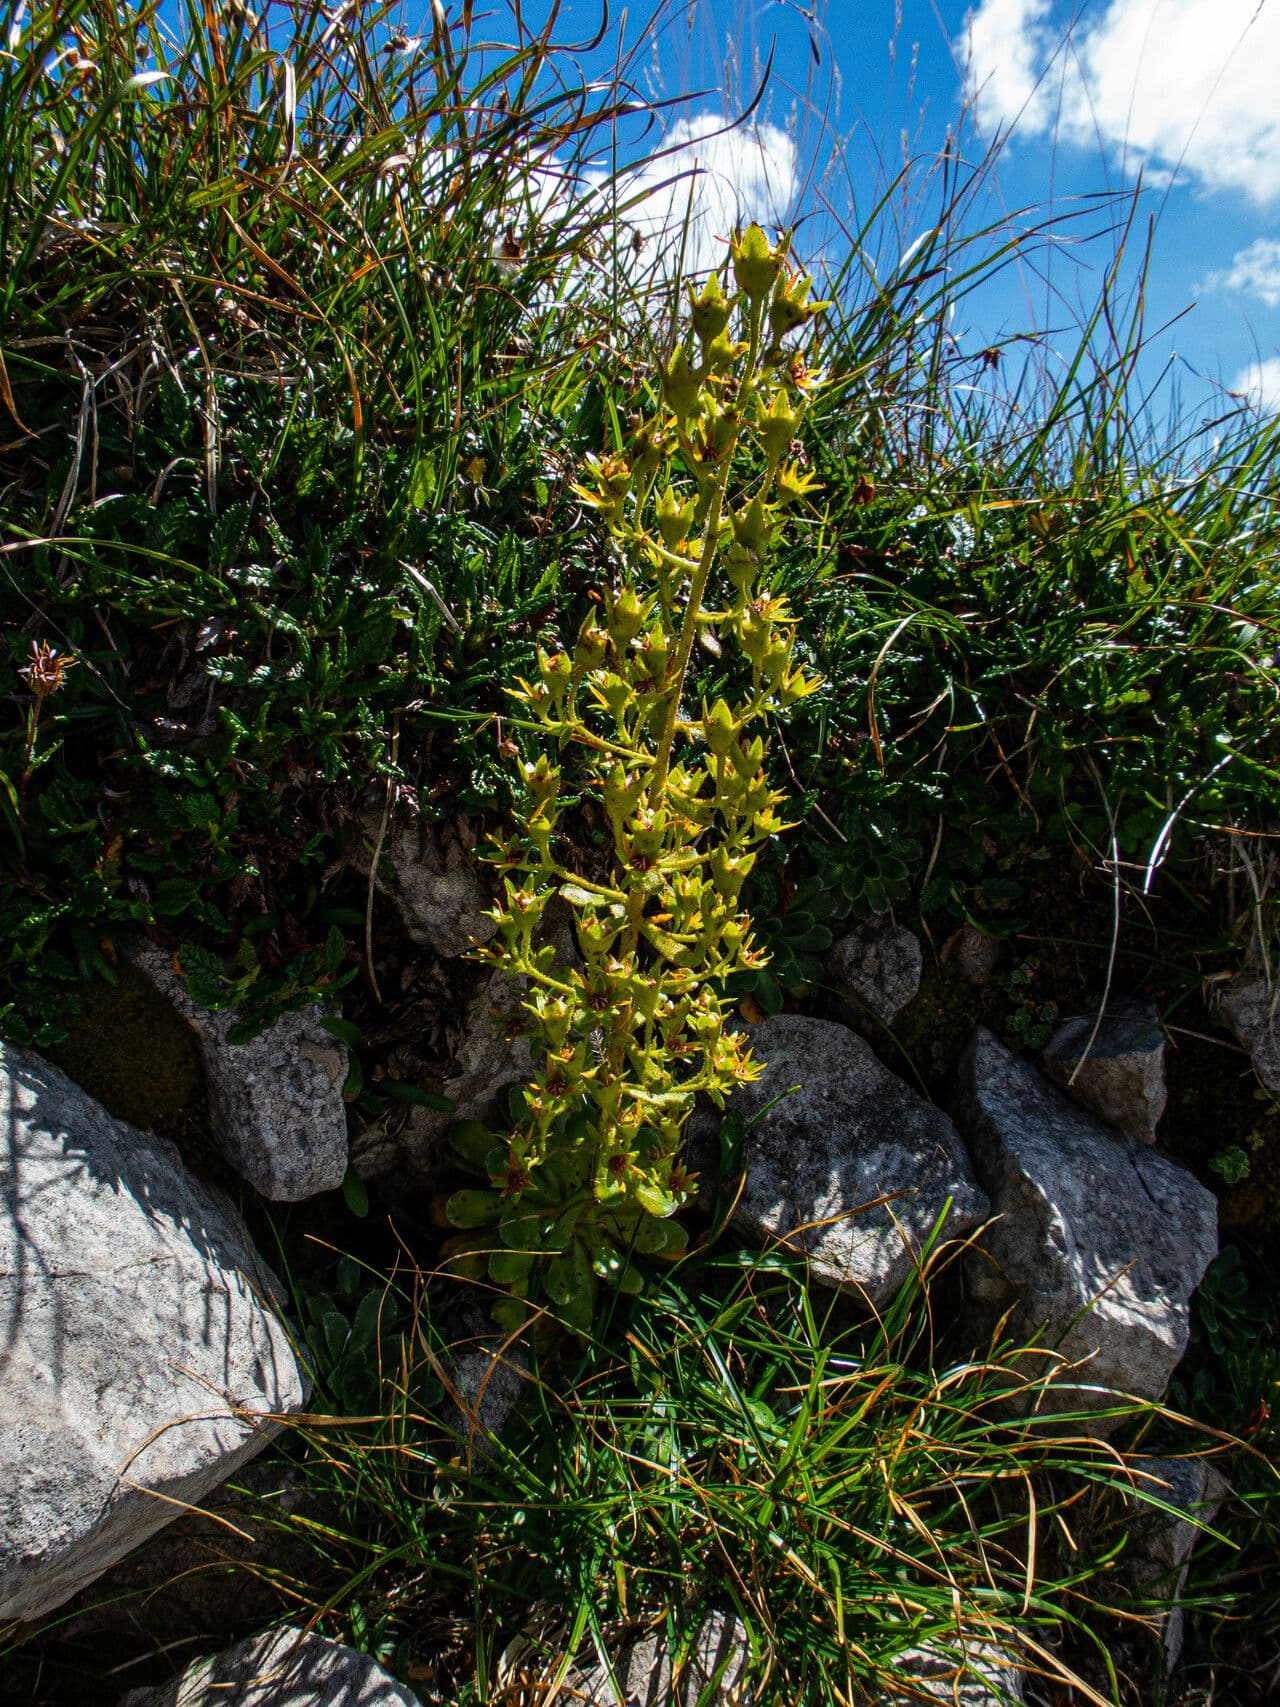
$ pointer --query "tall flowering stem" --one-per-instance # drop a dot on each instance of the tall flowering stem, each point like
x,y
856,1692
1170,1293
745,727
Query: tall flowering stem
x,y
633,1029
44,674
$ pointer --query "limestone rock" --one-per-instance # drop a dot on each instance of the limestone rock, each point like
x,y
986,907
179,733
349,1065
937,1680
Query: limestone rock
x,y
1158,1556
283,1668
1250,1006
1100,1241
879,964
489,1061
711,1677
488,1374
974,954
849,1135
433,881
988,1678
1114,1068
275,1103
136,1343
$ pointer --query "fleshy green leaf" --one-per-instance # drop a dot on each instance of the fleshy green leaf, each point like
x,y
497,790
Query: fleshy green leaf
x,y
415,1094
474,1209
472,1141
355,1192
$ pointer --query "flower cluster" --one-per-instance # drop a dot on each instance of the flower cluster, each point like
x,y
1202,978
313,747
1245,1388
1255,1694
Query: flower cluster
x,y
634,1028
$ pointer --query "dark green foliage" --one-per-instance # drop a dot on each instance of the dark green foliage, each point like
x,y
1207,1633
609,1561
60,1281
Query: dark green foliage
x,y
792,926
1232,1371
360,1345
1089,651
286,497
1232,1374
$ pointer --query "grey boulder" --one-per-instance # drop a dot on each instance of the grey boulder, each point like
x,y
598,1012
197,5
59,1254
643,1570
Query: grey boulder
x,y
1099,1242
275,1102
1113,1066
1250,1005
879,965
432,879
139,1355
487,1060
976,1675
283,1668
712,1674
845,1134
1158,1557
488,1373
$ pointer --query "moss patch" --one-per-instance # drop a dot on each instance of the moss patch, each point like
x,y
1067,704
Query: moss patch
x,y
131,1051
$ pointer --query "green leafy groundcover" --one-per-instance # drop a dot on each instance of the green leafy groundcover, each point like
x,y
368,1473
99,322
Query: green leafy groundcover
x,y
277,536
300,516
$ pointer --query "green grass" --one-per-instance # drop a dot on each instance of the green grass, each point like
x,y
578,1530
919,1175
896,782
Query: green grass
x,y
1044,619
290,477
737,1442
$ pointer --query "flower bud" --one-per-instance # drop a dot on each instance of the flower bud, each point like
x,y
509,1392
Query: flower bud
x,y
646,450
722,352
756,264
778,427
718,728
790,308
730,871
653,651
596,936
680,387
626,615
556,672
751,526
612,692
592,643
709,312
674,519
541,779
621,792
615,472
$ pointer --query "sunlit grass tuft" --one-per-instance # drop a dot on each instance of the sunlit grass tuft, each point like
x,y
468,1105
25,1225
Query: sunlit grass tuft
x,y
739,1444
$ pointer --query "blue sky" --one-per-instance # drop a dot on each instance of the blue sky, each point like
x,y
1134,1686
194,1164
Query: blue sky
x,y
1185,93
1088,98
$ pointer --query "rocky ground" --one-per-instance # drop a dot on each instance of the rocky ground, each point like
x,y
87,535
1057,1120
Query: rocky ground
x,y
145,1343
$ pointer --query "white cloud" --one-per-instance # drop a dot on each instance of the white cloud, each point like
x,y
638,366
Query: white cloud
x,y
1260,383
1008,43
1254,271
1186,85
717,178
